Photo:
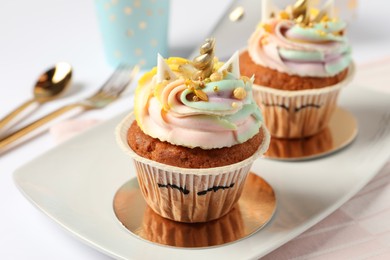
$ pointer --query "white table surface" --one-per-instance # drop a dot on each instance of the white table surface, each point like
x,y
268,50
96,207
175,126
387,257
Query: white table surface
x,y
36,34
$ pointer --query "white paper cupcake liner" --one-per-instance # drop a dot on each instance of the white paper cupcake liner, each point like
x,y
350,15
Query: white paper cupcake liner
x,y
189,195
299,113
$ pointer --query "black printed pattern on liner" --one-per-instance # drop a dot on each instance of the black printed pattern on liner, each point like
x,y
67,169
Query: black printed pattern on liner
x,y
173,186
215,188
297,109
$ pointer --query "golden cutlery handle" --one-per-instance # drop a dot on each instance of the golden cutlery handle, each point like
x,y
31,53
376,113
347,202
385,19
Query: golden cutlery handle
x,y
31,127
8,118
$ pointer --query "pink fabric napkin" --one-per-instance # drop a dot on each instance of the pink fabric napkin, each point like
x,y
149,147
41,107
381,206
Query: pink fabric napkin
x,y
360,229
69,128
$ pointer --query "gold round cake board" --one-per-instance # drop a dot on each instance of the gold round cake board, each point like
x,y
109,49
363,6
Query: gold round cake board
x,y
254,209
341,131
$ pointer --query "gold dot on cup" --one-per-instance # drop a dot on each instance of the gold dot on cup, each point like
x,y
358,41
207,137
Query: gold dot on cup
x,y
128,10
137,3
142,25
130,33
114,2
142,62
138,52
118,54
154,42
149,12
112,18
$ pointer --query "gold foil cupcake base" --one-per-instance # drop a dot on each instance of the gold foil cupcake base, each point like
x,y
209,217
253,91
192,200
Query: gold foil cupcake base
x,y
253,211
340,132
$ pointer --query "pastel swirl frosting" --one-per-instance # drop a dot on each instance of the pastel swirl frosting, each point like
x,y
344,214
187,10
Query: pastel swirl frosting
x,y
167,111
316,50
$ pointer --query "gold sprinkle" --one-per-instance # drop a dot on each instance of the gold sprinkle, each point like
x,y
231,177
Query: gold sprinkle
x,y
267,27
245,79
321,33
216,89
188,82
239,93
284,15
200,94
325,18
142,25
216,76
237,14
127,10
234,105
167,76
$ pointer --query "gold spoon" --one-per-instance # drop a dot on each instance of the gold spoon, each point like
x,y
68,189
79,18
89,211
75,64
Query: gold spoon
x,y
49,86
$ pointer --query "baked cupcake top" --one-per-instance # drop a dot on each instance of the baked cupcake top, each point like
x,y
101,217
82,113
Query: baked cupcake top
x,y
301,40
201,103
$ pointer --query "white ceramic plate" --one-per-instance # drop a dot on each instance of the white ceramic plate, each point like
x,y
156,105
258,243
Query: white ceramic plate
x,y
75,183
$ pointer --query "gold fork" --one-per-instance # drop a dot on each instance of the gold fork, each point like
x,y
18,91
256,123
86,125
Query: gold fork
x,y
109,92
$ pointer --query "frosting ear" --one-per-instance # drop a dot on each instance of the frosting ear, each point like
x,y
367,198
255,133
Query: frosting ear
x,y
268,9
164,72
232,65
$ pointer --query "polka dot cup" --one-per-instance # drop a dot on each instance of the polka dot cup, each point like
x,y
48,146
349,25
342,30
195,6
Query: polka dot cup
x,y
133,31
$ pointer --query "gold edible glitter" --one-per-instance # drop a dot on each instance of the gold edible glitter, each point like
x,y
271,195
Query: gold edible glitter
x,y
216,76
245,79
201,95
267,27
239,93
234,105
321,33
284,15
216,89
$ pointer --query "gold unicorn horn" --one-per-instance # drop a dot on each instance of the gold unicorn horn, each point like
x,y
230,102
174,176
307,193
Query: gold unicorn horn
x,y
204,63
